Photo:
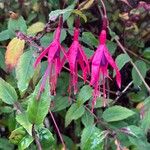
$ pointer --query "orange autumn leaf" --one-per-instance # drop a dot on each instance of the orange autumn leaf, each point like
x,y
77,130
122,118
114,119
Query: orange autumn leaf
x,y
14,51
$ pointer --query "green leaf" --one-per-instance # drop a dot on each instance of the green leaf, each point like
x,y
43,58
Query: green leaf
x,y
70,22
63,35
22,119
67,15
25,142
74,113
89,39
35,28
117,113
63,80
111,46
6,110
16,24
92,138
146,53
7,92
145,122
88,52
5,144
60,103
139,140
135,76
54,3
17,135
79,13
85,94
65,12
46,137
87,119
4,35
47,39
2,61
38,109
25,70
137,97
121,60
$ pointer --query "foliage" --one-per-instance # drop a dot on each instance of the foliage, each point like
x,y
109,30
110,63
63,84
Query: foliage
x,y
29,118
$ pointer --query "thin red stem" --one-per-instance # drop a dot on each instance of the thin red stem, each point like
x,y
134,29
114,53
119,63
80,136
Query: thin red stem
x,y
58,131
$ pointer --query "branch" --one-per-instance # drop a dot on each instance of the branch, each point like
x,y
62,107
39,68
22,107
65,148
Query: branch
x,y
125,89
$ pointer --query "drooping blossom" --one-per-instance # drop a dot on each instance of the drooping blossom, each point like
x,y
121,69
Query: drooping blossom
x,y
52,53
100,61
76,56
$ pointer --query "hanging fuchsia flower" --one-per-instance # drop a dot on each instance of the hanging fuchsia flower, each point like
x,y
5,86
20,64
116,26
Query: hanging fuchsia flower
x,y
100,61
52,53
77,56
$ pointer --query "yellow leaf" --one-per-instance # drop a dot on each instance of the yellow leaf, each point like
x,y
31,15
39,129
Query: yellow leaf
x,y
36,27
78,12
86,4
14,51
140,105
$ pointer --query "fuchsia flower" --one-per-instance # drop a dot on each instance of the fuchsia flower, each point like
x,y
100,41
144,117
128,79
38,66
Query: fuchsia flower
x,y
75,56
99,72
52,53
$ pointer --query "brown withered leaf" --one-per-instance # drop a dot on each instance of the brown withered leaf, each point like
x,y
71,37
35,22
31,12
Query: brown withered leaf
x,y
14,51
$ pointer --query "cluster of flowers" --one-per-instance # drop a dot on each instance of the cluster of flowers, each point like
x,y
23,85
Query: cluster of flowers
x,y
76,56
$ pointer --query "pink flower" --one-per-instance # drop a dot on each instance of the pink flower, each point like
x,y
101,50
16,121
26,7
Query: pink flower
x,y
55,63
75,56
99,72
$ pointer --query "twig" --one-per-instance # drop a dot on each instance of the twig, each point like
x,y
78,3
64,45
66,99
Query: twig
x,y
103,124
98,120
58,131
125,89
36,138
134,54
